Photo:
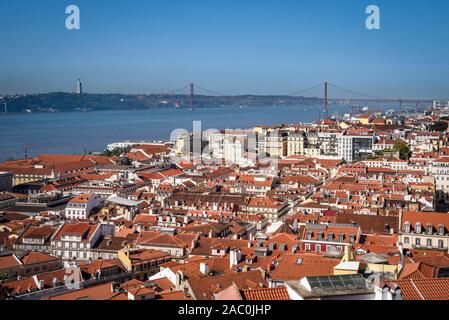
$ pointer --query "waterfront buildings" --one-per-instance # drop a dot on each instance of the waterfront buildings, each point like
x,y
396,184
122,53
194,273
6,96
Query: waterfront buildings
x,y
272,211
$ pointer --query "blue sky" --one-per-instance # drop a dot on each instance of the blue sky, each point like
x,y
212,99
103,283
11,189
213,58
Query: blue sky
x,y
230,46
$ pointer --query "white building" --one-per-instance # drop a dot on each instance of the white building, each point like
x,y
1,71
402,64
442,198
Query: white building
x,y
440,170
126,144
81,206
74,241
354,148
395,164
230,147
79,87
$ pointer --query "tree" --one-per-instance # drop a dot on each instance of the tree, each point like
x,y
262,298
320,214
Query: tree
x,y
116,152
403,149
439,126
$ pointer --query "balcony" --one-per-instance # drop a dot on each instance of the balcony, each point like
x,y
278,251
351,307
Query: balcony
x,y
433,248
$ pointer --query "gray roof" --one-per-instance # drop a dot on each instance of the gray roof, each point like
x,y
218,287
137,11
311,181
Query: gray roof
x,y
374,258
123,201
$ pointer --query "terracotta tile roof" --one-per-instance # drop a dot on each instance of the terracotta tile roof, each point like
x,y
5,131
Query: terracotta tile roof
x,y
143,256
424,289
411,271
137,291
100,292
208,286
100,264
434,219
164,240
298,266
37,257
9,261
191,269
134,283
172,295
369,223
260,202
48,277
34,232
266,294
83,198
85,230
163,284
21,286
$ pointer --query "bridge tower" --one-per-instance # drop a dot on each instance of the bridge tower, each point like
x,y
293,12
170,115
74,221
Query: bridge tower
x,y
326,101
191,94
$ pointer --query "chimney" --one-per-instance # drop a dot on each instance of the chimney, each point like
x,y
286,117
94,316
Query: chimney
x,y
295,225
348,254
234,257
401,252
178,280
204,268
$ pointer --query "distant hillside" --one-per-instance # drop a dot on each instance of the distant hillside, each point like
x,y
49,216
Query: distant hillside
x,y
63,102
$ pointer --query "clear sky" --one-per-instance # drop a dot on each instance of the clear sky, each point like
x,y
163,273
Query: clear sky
x,y
230,46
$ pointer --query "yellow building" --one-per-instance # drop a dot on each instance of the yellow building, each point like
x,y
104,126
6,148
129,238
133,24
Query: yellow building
x,y
365,119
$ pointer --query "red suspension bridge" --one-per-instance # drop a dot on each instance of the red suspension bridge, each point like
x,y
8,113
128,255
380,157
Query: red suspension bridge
x,y
195,93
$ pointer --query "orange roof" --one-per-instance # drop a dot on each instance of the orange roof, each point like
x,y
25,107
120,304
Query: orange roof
x,y
266,294
37,257
263,203
84,230
9,261
310,265
100,292
83,198
424,289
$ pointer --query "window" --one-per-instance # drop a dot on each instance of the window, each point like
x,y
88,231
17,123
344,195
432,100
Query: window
x,y
429,229
440,244
418,228
318,248
429,242
417,242
406,240
441,230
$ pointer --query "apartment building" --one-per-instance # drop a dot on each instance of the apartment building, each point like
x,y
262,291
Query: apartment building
x,y
424,230
276,144
74,241
439,169
355,148
81,206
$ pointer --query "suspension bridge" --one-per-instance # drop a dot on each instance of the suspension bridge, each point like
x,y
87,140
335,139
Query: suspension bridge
x,y
192,94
